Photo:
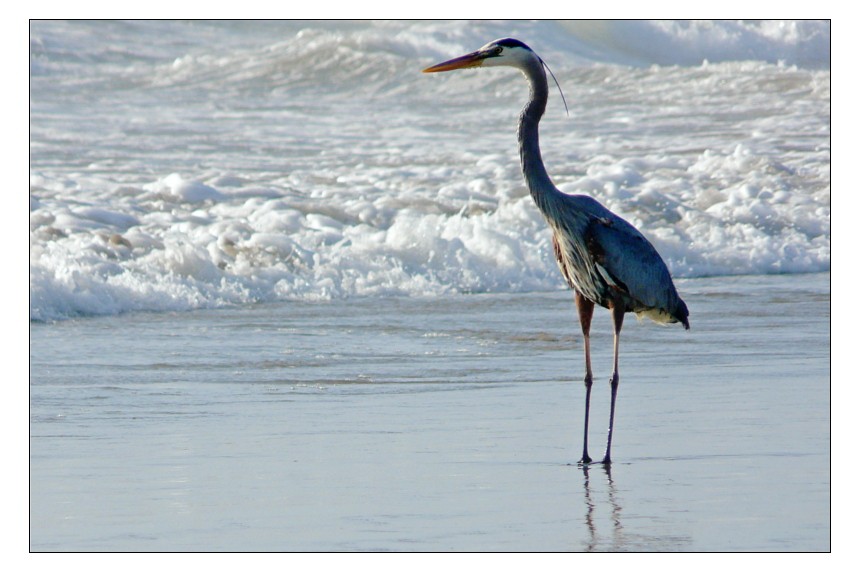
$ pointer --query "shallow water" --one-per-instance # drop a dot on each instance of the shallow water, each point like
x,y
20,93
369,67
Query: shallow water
x,y
428,424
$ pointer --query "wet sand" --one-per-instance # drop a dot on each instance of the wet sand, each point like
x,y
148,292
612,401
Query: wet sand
x,y
445,424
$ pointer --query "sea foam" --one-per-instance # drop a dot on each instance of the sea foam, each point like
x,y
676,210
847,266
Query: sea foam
x,y
171,171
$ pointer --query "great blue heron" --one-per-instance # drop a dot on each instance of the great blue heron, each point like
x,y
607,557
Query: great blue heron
x,y
603,258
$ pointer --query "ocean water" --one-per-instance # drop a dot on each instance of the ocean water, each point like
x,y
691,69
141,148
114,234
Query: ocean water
x,y
289,293
187,165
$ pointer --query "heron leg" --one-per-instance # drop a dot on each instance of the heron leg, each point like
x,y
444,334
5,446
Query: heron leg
x,y
585,308
617,320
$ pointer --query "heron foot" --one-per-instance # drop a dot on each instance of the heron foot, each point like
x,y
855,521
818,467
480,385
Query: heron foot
x,y
606,461
585,460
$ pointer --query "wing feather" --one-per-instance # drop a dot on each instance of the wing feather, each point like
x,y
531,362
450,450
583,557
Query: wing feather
x,y
631,264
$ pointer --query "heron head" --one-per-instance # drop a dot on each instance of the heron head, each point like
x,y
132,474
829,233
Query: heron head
x,y
503,52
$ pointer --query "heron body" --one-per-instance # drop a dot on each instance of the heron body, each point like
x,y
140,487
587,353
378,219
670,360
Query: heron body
x,y
603,258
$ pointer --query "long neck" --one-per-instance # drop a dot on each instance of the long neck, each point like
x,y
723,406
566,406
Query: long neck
x,y
537,180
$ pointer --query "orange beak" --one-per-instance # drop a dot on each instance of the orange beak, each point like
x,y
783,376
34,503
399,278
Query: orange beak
x,y
472,60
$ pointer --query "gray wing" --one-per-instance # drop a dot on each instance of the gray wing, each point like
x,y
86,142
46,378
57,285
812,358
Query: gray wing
x,y
630,264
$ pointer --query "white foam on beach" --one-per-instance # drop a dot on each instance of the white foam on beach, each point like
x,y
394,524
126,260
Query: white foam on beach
x,y
188,165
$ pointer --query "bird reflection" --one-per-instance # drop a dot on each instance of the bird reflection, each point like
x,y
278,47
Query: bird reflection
x,y
593,508
589,511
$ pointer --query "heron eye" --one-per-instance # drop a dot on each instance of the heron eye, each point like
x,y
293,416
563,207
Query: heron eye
x,y
498,50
